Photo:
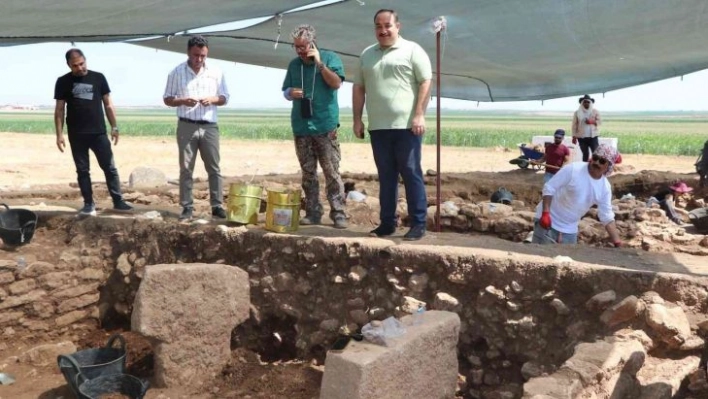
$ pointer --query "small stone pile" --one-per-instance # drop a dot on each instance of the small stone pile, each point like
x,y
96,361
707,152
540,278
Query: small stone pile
x,y
623,364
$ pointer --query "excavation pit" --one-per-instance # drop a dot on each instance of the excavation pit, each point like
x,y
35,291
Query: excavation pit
x,y
524,312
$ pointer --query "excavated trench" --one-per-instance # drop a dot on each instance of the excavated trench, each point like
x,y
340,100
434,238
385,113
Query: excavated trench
x,y
523,313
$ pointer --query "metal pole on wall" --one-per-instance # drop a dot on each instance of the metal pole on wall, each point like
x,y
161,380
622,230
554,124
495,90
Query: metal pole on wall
x,y
439,25
437,127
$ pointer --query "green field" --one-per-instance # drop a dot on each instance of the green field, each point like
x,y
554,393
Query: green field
x,y
644,133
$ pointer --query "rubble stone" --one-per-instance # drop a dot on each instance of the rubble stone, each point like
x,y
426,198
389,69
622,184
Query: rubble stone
x,y
628,309
601,301
671,324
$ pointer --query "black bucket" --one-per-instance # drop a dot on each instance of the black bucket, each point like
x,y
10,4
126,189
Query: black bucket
x,y
17,226
502,195
93,363
124,384
699,218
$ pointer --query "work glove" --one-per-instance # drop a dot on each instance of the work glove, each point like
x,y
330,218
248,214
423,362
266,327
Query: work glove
x,y
545,221
575,140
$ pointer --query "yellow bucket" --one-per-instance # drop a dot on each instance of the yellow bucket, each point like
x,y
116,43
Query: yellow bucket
x,y
282,210
244,203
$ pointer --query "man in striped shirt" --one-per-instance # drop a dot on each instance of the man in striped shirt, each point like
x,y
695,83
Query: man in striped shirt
x,y
196,89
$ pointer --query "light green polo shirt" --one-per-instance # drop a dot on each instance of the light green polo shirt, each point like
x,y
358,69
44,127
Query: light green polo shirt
x,y
391,78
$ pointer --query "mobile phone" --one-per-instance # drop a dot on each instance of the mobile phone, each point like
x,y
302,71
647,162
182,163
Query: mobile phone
x,y
313,45
306,108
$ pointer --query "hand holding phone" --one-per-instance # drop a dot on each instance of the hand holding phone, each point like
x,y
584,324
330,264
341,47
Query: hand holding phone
x,y
313,54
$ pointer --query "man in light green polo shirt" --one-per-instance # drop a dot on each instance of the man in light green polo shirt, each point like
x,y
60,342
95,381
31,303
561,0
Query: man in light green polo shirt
x,y
394,82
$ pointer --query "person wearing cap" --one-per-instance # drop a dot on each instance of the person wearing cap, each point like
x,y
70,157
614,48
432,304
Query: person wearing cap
x,y
569,195
555,156
666,198
586,122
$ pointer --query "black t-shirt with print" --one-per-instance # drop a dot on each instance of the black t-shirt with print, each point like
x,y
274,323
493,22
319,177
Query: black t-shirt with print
x,y
84,102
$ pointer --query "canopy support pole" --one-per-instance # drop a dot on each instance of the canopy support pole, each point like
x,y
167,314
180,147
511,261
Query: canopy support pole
x,y
437,99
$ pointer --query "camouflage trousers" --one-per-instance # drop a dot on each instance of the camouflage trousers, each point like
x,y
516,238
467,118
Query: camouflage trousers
x,y
322,148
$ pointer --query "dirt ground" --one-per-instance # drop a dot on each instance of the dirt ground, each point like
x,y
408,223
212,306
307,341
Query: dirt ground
x,y
31,168
28,159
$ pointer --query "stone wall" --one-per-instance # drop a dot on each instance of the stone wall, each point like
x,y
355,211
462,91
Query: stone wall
x,y
513,308
38,298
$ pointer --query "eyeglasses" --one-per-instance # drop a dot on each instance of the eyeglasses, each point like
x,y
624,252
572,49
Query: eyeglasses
x,y
599,159
301,48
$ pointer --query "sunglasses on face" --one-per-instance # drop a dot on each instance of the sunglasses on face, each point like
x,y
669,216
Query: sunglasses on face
x,y
586,102
599,159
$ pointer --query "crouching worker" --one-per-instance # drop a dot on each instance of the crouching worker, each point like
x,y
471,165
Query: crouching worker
x,y
569,195
666,198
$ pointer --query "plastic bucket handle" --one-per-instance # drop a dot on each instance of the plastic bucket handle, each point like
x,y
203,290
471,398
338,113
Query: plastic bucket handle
x,y
77,371
111,340
7,208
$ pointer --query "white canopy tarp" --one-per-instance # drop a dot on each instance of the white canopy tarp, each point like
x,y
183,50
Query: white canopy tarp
x,y
494,50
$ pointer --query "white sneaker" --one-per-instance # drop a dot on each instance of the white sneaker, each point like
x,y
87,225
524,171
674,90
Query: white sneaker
x,y
88,210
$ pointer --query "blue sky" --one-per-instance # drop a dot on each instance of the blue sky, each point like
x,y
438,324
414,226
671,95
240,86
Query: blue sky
x,y
137,77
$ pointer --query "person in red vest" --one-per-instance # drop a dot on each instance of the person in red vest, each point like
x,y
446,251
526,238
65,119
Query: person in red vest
x,y
556,155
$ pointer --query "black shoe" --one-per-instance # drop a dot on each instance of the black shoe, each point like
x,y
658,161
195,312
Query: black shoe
x,y
218,212
415,233
186,214
382,231
122,206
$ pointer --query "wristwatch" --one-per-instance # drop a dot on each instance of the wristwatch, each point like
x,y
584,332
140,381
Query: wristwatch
x,y
115,129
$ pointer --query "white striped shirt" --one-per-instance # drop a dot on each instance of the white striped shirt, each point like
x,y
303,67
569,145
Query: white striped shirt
x,y
183,82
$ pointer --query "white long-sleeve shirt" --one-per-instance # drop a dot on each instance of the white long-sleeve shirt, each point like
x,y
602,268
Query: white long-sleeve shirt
x,y
574,192
183,82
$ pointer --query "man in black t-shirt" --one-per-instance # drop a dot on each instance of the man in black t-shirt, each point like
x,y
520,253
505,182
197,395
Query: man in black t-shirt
x,y
85,94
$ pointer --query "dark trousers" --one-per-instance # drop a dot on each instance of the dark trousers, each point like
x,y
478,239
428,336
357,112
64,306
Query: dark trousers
x,y
398,152
101,147
586,144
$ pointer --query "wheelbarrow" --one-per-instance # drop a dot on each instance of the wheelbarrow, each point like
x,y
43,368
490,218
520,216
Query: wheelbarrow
x,y
527,158
17,226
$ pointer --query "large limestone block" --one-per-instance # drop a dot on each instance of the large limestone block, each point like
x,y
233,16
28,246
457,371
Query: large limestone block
x,y
421,364
189,311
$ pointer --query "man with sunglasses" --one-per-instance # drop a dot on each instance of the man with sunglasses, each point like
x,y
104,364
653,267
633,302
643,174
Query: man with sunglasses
x,y
311,83
569,195
586,122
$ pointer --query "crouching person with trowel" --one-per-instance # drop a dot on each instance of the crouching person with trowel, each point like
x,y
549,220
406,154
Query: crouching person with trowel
x,y
569,195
